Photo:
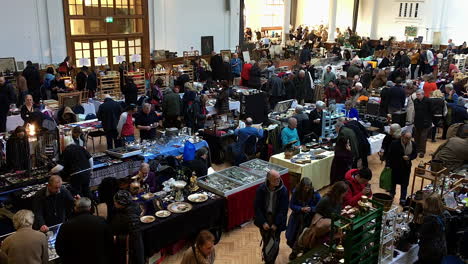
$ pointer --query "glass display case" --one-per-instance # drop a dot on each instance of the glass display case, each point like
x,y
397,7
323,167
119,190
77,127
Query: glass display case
x,y
261,167
230,181
51,237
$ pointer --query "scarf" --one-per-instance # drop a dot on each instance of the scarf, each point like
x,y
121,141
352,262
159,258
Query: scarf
x,y
408,148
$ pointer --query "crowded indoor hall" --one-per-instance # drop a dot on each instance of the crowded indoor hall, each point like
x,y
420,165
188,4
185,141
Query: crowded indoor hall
x,y
234,132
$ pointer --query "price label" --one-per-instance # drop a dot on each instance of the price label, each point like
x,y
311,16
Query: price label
x,y
120,59
84,62
135,58
102,60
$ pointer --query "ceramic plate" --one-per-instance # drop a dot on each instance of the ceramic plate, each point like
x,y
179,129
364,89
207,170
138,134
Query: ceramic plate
x,y
147,219
147,196
163,213
197,197
179,207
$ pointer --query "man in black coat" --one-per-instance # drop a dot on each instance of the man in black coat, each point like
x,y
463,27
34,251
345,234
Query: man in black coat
x,y
216,63
7,97
81,79
146,121
401,153
85,238
109,114
395,97
52,205
33,79
422,121
271,209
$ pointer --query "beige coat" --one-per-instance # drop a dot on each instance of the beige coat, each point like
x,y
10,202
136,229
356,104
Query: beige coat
x,y
26,246
189,258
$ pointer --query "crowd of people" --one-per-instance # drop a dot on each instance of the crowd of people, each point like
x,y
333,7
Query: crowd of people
x,y
410,80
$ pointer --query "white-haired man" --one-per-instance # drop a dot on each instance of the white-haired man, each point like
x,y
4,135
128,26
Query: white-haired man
x,y
26,245
85,238
315,118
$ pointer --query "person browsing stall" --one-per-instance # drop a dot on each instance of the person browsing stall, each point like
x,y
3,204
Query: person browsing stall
x,y
147,121
357,181
271,209
52,205
244,133
145,176
289,133
125,126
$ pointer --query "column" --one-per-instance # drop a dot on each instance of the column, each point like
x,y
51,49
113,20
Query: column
x,y
332,21
234,24
286,21
374,20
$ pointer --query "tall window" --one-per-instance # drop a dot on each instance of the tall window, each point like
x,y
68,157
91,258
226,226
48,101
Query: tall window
x,y
118,49
100,50
416,10
408,9
401,9
75,7
136,7
91,7
121,7
107,7
82,51
134,47
274,12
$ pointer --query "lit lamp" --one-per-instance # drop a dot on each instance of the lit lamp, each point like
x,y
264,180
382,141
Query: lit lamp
x,y
31,130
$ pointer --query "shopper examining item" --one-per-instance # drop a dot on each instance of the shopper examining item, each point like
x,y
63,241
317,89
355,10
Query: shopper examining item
x,y
358,183
203,251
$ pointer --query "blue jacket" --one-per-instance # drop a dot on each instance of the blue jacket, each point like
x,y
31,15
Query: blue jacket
x,y
237,68
352,113
280,206
288,135
294,224
245,132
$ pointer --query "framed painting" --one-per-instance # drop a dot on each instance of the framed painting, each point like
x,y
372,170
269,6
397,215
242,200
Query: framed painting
x,y
225,53
207,45
69,99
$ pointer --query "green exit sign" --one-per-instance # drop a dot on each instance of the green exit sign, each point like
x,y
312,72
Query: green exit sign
x,y
109,19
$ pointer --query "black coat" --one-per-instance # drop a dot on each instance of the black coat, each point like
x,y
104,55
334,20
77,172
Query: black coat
x,y
226,72
7,97
255,74
33,79
216,64
199,166
52,209
280,206
422,113
316,128
290,89
81,79
131,94
401,169
91,82
109,114
85,238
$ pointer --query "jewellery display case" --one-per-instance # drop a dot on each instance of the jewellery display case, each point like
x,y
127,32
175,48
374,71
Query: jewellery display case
x,y
261,167
230,181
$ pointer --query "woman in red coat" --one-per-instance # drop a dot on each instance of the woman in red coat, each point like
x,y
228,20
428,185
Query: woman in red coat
x,y
245,74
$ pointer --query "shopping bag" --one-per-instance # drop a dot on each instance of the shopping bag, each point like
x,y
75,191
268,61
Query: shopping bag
x,y
386,179
270,248
189,151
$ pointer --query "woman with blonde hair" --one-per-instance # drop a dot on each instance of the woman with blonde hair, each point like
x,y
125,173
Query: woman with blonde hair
x,y
203,251
432,240
439,111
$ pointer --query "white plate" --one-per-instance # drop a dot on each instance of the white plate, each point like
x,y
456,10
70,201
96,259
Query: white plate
x,y
163,213
147,219
197,197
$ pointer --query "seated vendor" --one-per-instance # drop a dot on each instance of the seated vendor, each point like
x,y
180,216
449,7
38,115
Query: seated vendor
x,y
52,205
30,114
351,112
77,136
146,177
289,133
357,181
200,164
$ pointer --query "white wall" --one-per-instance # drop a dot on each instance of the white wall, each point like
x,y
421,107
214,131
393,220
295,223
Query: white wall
x,y
312,12
33,30
180,24
344,14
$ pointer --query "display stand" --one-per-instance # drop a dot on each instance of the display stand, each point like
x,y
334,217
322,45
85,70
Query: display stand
x,y
109,84
387,237
426,174
329,120
139,80
185,70
161,74
362,235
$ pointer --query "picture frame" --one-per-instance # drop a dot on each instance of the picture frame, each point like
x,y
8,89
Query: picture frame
x,y
7,64
207,46
69,99
224,53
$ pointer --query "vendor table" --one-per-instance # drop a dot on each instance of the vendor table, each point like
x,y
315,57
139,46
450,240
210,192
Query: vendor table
x,y
172,151
167,231
120,170
317,170
240,206
233,105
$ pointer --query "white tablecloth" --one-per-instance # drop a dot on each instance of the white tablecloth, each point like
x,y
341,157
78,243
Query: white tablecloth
x,y
13,121
233,105
376,142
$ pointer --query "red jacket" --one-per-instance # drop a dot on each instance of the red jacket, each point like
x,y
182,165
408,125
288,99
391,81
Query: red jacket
x,y
245,74
429,88
355,188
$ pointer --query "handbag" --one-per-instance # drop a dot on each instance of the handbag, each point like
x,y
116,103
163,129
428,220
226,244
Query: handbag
x,y
386,179
271,248
319,226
